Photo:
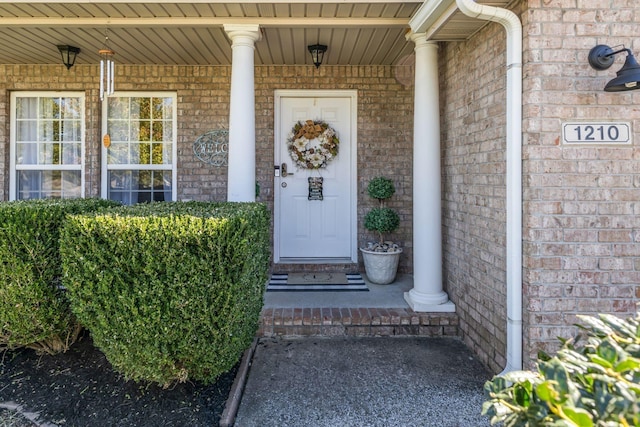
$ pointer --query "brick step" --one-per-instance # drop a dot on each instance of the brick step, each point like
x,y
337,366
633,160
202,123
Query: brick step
x,y
361,322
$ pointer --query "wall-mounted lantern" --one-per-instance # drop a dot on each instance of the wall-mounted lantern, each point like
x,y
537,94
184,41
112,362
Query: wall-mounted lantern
x,y
601,57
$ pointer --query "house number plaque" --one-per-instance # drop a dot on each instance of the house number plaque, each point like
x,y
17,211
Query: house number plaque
x,y
608,133
315,188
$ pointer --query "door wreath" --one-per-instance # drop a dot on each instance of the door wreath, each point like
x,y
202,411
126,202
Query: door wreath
x,y
308,156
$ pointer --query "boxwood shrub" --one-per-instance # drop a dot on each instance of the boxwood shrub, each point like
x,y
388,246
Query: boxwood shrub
x,y
169,291
34,312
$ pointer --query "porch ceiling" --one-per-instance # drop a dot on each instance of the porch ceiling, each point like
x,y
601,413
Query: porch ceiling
x,y
190,32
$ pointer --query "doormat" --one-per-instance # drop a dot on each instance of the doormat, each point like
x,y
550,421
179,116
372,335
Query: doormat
x,y
318,282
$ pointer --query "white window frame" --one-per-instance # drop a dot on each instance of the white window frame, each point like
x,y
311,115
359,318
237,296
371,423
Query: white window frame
x,y
173,166
12,138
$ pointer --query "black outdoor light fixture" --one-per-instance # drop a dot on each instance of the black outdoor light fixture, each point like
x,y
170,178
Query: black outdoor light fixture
x,y
601,58
317,53
68,54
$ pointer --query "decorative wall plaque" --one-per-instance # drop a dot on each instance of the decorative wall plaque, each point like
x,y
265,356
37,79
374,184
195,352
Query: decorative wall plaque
x,y
211,147
315,188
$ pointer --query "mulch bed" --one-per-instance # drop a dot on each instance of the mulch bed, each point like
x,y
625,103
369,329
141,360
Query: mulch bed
x,y
79,388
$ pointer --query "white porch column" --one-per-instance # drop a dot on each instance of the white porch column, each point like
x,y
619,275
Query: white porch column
x,y
427,294
241,171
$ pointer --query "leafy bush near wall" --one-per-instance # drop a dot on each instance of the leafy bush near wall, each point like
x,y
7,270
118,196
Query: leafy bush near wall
x,y
34,312
594,384
169,291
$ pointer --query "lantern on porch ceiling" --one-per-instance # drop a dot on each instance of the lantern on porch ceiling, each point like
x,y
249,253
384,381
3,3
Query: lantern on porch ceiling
x,y
317,53
107,70
68,54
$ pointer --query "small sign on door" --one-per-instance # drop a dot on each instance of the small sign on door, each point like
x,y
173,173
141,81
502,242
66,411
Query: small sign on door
x,y
315,188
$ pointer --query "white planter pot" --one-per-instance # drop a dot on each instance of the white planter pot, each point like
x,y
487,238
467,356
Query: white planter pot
x,y
380,267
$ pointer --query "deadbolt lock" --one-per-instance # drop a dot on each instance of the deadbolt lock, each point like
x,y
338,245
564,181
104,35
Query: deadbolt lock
x,y
283,170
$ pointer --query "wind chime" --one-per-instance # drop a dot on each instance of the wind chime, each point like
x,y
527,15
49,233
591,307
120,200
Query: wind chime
x,y
107,69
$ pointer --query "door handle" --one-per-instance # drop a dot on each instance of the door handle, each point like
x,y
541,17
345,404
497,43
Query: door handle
x,y
283,170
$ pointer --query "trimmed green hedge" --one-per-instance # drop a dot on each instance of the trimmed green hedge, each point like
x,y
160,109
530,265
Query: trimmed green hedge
x,y
169,291
33,310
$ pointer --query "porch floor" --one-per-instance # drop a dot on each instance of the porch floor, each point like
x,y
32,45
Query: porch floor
x,y
380,312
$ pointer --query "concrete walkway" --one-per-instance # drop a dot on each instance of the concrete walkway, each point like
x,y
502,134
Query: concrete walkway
x,y
373,381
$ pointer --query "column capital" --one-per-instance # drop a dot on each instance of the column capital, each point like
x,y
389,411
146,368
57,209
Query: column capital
x,y
243,33
420,39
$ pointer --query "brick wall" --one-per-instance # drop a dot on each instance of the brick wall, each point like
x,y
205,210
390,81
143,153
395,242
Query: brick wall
x,y
474,217
581,203
580,213
385,123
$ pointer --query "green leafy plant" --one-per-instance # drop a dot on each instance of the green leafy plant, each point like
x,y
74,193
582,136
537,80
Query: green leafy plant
x,y
381,219
34,311
594,384
169,291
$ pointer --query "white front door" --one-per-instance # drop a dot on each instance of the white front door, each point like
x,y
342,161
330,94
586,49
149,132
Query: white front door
x,y
306,228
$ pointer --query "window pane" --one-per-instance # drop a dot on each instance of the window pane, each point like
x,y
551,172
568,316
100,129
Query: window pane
x,y
27,153
49,154
71,130
71,154
71,108
134,153
158,130
141,130
167,179
167,131
28,185
119,180
119,187
27,130
117,107
48,184
140,108
159,109
26,108
49,108
139,186
51,184
168,108
118,153
145,153
157,154
47,131
118,130
71,184
144,180
167,154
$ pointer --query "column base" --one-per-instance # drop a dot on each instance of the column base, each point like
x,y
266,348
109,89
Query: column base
x,y
426,303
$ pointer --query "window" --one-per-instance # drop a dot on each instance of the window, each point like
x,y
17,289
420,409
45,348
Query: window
x,y
139,148
47,145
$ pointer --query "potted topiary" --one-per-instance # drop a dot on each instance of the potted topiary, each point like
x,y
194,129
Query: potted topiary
x,y
381,257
